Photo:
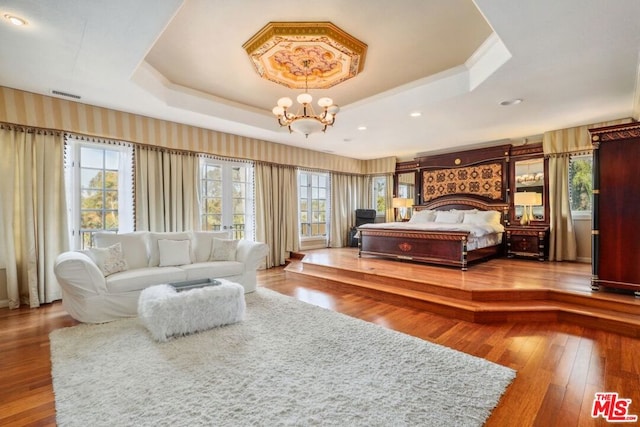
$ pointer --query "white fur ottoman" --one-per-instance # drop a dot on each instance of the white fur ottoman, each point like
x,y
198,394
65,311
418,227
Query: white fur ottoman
x,y
166,312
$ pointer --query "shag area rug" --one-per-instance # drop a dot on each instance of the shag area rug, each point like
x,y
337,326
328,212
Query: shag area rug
x,y
287,363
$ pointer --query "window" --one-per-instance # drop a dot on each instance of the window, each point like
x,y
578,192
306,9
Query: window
x,y
227,197
581,184
379,195
314,204
99,190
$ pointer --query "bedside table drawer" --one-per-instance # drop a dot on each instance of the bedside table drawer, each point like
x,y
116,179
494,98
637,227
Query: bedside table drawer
x,y
526,244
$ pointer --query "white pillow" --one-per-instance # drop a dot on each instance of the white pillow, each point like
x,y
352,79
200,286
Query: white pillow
x,y
483,217
491,217
134,246
224,250
473,218
109,260
449,217
154,252
423,216
203,243
174,252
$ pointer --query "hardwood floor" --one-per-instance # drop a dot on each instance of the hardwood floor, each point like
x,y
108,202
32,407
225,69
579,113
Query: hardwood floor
x,y
560,365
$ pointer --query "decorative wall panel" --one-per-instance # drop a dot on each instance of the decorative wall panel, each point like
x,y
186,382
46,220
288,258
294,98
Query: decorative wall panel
x,y
482,180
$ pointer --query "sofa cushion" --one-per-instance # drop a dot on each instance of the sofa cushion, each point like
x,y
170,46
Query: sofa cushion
x,y
203,243
134,246
140,278
215,269
109,260
174,252
154,251
224,250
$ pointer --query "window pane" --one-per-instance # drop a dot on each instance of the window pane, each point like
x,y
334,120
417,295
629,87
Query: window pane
x,y
213,206
111,220
111,199
111,159
91,199
91,220
91,157
111,180
91,178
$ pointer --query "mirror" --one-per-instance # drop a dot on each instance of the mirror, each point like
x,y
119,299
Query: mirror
x,y
529,177
405,195
406,185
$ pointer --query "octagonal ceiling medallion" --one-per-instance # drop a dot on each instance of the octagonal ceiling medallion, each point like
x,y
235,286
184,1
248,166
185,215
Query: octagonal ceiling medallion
x,y
280,50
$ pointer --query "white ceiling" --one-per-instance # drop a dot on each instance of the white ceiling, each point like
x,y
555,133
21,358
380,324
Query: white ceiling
x,y
572,62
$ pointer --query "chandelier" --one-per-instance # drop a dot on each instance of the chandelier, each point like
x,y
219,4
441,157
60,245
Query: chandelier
x,y
305,120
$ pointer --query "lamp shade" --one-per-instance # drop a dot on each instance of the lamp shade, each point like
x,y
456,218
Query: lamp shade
x,y
538,201
398,202
526,198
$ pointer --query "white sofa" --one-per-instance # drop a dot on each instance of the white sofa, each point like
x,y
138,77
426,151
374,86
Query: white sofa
x,y
103,284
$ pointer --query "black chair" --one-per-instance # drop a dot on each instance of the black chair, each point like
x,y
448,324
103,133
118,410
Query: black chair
x,y
363,216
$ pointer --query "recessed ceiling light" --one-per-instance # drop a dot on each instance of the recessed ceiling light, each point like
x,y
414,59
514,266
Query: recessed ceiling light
x,y
15,20
509,102
362,128
416,114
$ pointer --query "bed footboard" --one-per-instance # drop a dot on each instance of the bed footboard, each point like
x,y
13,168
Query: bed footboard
x,y
448,248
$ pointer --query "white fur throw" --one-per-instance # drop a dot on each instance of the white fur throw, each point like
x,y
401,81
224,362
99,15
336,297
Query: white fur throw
x,y
166,312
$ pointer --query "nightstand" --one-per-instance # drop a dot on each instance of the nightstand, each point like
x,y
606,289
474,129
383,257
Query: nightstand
x,y
528,241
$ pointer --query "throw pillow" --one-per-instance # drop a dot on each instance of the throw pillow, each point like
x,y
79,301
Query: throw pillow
x,y
174,252
109,260
224,250
154,251
203,243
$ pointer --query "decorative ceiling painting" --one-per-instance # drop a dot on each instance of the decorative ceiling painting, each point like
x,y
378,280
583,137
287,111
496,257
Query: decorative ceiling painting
x,y
280,51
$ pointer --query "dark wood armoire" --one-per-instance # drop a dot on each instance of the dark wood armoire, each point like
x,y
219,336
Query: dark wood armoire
x,y
616,207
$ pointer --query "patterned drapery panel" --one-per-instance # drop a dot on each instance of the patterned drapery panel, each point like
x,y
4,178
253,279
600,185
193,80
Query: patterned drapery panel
x,y
482,180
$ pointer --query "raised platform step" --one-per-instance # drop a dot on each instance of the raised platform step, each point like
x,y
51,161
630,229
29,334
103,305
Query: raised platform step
x,y
478,295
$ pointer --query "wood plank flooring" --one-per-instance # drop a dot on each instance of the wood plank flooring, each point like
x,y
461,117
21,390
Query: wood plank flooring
x,y
499,290
560,365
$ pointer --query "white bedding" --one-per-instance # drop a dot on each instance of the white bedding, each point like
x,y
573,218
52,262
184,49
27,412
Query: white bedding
x,y
480,235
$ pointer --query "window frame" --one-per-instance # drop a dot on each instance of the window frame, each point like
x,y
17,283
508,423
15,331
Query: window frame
x,y
74,167
310,202
577,213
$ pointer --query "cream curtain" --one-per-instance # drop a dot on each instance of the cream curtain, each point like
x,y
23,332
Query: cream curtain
x,y
388,199
348,193
33,217
558,146
277,211
166,186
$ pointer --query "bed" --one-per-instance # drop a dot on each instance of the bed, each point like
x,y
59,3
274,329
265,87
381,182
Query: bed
x,y
451,231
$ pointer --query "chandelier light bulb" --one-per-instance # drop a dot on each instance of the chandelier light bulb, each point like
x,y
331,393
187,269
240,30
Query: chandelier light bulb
x,y
325,102
333,109
285,102
278,111
304,98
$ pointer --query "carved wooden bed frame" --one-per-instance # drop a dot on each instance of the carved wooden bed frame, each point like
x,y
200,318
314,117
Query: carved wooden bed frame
x,y
435,247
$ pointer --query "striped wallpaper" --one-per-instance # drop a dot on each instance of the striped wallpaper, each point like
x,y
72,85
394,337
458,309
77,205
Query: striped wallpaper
x,y
29,109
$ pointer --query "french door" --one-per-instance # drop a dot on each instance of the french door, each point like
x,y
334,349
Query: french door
x,y
227,197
